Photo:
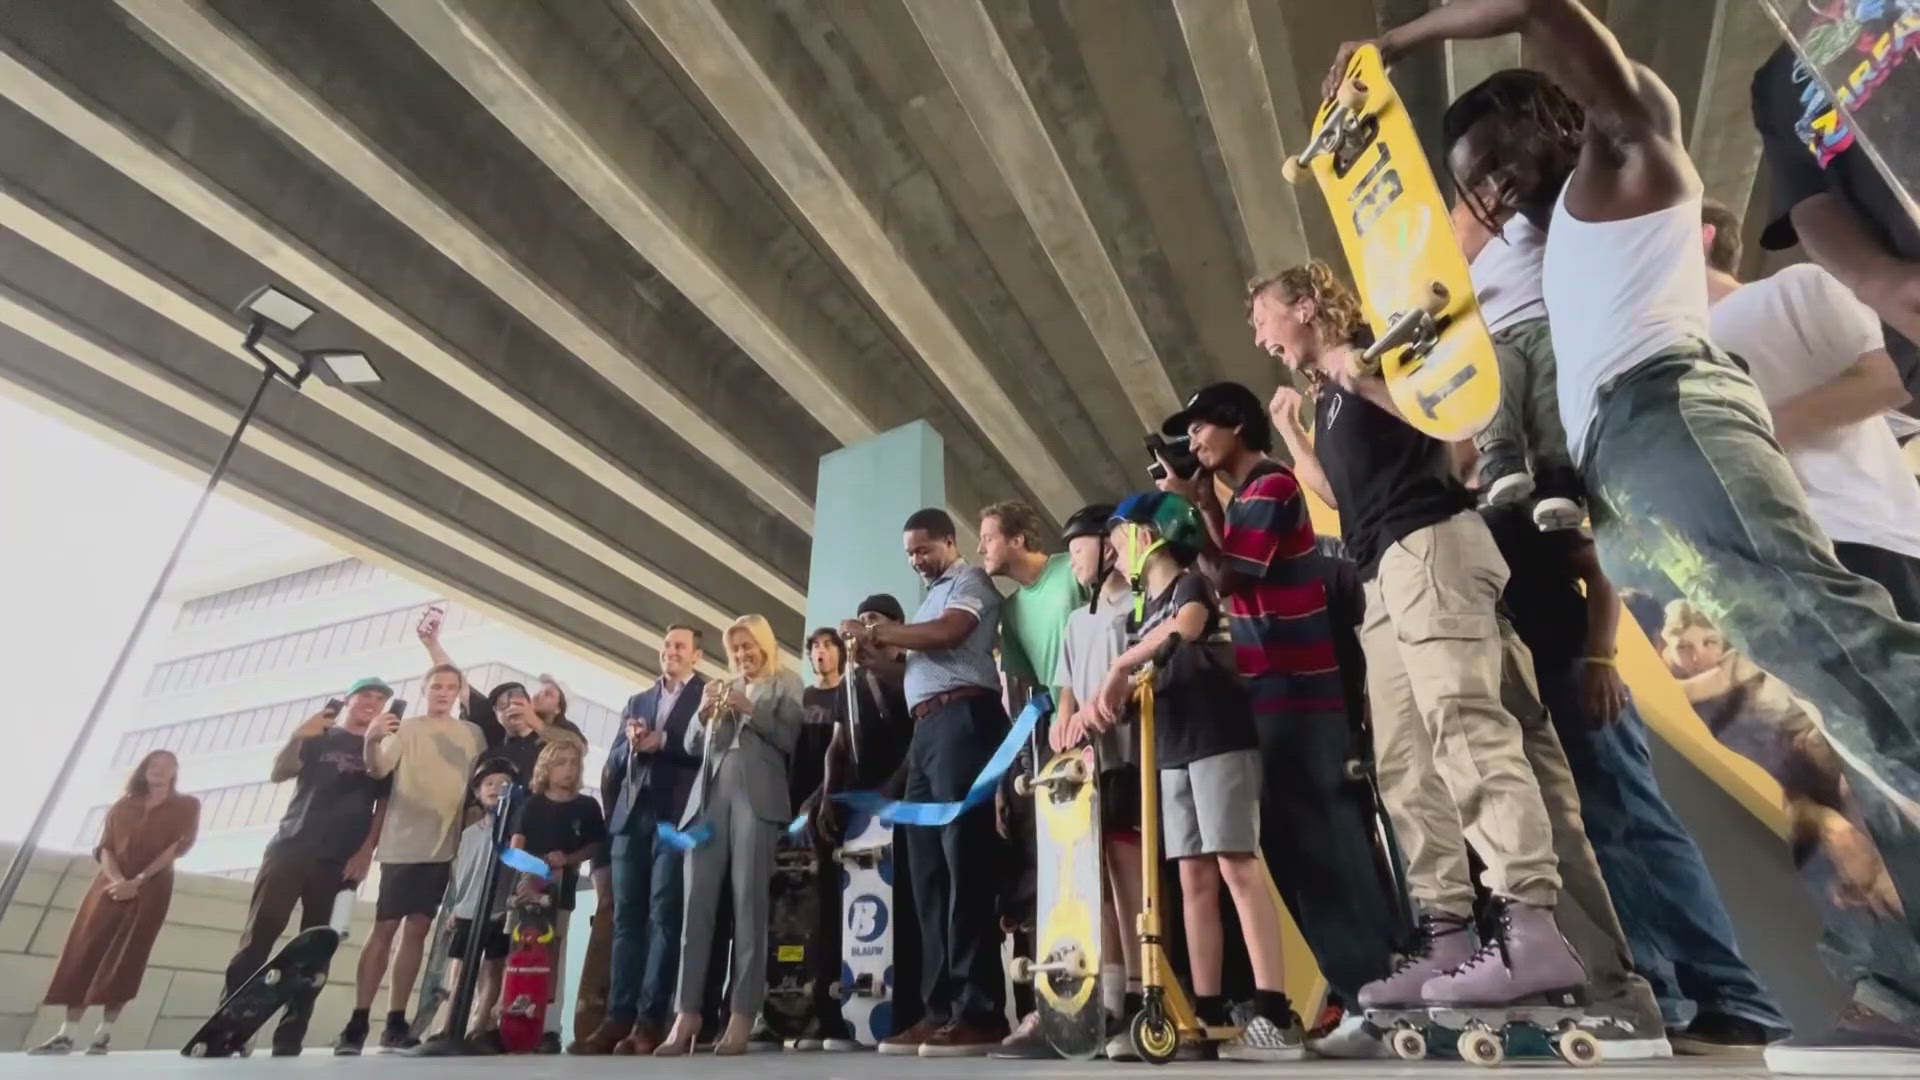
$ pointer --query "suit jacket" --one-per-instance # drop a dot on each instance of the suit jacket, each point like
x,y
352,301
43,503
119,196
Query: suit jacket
x,y
673,766
759,763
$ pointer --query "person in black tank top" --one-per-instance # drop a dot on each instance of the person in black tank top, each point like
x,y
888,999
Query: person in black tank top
x,y
1447,750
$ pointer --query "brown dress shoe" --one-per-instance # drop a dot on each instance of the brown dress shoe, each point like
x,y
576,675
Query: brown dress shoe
x,y
602,1039
644,1039
964,1039
907,1043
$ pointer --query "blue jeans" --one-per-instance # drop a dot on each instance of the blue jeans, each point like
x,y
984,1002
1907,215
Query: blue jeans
x,y
1681,937
646,924
1803,665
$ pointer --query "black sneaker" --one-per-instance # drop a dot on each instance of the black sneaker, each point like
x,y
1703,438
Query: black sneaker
x,y
485,1044
286,1049
352,1039
549,1043
1714,1034
1860,1043
397,1037
438,1046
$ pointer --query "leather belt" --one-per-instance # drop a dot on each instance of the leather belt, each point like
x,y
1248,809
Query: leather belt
x,y
948,697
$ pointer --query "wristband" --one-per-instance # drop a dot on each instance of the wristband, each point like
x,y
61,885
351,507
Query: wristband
x,y
1600,661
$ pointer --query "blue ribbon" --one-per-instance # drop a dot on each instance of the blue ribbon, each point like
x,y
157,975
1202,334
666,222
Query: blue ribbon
x,y
695,837
896,812
527,863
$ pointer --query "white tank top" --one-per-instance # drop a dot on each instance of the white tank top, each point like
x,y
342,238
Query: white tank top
x,y
1506,275
1618,294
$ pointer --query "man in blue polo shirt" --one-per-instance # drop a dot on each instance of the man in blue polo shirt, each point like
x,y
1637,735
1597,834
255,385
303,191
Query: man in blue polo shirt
x,y
953,692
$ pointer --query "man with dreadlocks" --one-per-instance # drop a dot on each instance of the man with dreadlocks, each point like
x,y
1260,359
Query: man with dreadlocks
x,y
1690,492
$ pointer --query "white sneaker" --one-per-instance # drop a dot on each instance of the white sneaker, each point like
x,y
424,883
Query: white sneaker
x,y
1621,1041
1509,489
1264,1040
1557,513
1350,1040
840,1046
59,1044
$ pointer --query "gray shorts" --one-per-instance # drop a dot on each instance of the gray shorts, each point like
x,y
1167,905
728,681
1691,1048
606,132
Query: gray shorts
x,y
1212,806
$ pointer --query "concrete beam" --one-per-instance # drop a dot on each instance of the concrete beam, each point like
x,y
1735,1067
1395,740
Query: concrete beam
x,y
1725,145
26,83
1470,62
225,56
111,266
50,328
1236,77
762,107
970,52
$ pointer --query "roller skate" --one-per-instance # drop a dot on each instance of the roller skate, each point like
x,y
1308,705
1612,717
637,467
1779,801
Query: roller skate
x,y
1394,1009
1526,976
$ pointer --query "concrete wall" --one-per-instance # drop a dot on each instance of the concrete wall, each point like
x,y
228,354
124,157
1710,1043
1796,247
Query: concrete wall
x,y
183,982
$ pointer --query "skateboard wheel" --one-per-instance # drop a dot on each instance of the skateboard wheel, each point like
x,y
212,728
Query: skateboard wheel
x,y
1021,970
1022,785
1075,771
1437,297
1578,1047
1352,95
1291,169
272,977
1409,1044
1077,966
1481,1048
197,1049
1153,1036
1355,769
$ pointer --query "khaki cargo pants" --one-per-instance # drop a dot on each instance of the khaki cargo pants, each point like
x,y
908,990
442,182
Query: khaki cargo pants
x,y
1448,753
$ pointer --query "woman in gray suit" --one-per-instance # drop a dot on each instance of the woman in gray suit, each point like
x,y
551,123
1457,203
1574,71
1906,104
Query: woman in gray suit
x,y
748,726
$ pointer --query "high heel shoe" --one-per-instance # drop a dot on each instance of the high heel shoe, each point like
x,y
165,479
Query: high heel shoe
x,y
734,1041
678,1043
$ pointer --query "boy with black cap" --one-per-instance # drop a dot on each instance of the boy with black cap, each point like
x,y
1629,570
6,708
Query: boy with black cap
x,y
470,868
1258,552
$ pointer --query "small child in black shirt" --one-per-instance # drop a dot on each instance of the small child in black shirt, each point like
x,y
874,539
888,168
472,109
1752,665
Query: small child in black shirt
x,y
1209,766
563,825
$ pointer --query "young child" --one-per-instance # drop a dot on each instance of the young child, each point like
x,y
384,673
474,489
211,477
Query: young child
x,y
1209,763
490,783
563,825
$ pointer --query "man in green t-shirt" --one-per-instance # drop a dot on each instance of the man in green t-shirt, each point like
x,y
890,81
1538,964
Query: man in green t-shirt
x,y
1033,620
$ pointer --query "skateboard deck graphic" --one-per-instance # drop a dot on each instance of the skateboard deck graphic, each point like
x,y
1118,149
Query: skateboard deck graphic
x,y
792,914
1066,966
299,967
1429,339
528,980
866,928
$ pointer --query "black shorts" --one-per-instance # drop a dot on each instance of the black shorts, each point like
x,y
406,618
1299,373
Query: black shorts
x,y
493,939
1120,801
411,889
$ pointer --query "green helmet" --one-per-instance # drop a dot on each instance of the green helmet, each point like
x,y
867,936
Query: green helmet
x,y
1171,517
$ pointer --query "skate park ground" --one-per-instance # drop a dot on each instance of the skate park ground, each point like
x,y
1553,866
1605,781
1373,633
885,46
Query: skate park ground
x,y
162,1065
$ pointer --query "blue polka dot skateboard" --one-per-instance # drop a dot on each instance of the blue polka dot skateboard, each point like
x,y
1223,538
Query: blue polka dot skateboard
x,y
1065,969
865,989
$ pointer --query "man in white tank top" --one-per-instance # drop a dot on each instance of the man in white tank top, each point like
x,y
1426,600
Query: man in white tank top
x,y
1820,359
1689,492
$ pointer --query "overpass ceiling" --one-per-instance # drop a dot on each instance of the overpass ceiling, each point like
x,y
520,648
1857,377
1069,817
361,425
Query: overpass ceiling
x,y
630,267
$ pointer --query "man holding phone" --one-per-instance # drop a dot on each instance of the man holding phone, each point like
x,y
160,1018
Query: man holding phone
x,y
325,841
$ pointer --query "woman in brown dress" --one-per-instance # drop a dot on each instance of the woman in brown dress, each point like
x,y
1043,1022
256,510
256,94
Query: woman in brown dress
x,y
107,947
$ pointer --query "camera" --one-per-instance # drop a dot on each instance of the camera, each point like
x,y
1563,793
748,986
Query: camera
x,y
1177,453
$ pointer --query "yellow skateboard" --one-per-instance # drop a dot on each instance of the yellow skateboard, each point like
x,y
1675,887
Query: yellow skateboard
x,y
1429,339
1066,966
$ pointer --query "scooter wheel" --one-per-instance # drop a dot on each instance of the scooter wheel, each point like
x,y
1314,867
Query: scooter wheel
x,y
1409,1044
1579,1048
1153,1036
1481,1048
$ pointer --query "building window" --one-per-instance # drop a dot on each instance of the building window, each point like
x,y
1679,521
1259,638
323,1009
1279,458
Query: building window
x,y
345,574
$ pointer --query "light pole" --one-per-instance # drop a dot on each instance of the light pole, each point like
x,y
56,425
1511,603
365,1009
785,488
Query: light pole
x,y
272,313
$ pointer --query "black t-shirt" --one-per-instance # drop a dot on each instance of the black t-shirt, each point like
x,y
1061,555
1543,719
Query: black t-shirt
x,y
524,750
882,731
820,710
332,807
1543,595
1810,150
1200,703
1389,478
564,827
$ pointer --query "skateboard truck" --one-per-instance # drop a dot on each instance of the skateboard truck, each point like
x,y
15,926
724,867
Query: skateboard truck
x,y
1072,964
1415,329
1349,102
1073,773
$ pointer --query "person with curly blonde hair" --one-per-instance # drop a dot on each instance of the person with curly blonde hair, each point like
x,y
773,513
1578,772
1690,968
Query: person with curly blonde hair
x,y
1452,767
562,825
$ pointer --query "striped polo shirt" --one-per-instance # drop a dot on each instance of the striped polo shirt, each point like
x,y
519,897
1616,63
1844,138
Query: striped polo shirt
x,y
1282,641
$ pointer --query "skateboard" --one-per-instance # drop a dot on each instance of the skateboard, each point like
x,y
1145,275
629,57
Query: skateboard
x,y
528,980
1065,967
865,989
300,967
596,975
793,911
1430,342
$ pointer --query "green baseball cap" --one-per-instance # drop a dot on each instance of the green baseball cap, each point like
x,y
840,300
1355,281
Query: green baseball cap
x,y
371,682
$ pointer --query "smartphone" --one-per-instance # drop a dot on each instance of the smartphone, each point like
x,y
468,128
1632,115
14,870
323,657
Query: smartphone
x,y
430,620
334,705
398,707
1177,453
